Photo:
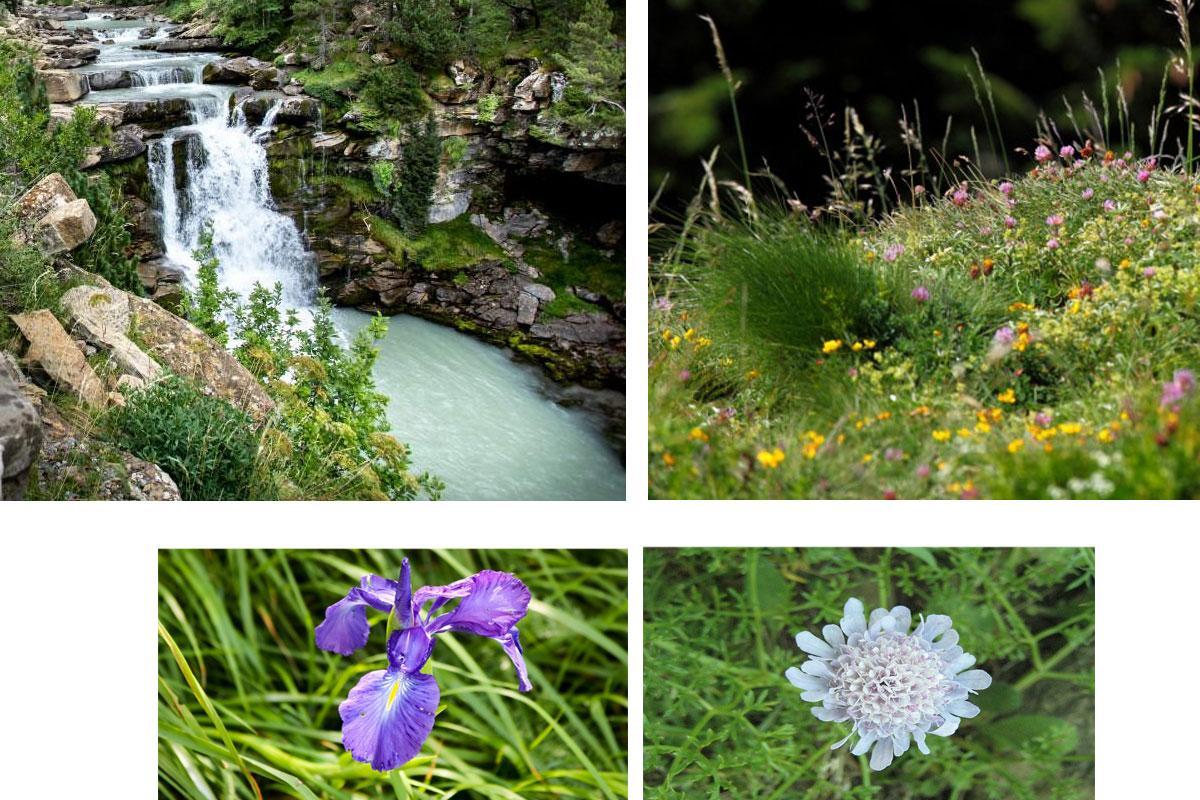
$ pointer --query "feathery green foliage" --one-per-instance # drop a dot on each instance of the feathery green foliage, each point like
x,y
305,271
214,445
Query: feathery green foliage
x,y
248,704
722,721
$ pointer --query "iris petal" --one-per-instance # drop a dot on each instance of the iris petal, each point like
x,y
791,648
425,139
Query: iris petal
x,y
491,604
409,649
345,627
388,716
512,646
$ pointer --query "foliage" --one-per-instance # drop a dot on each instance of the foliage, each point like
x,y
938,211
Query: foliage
x,y
426,31
595,67
205,308
395,91
443,246
105,251
1027,615
488,105
249,23
329,439
206,445
248,703
583,265
409,187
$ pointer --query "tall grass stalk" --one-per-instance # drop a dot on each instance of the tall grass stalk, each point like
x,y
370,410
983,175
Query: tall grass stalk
x,y
1180,9
732,85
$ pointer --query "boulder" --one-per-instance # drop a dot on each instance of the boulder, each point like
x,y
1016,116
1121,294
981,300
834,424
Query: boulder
x,y
20,434
532,92
126,142
65,227
243,70
101,316
58,358
187,351
166,111
63,86
299,111
109,79
188,45
45,195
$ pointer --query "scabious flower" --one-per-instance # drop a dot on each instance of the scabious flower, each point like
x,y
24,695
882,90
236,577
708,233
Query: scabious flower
x,y
1087,193
1042,154
1110,205
892,252
388,716
1066,152
892,685
1006,188
920,294
1054,220
1143,175
1010,222
1004,335
1052,244
960,198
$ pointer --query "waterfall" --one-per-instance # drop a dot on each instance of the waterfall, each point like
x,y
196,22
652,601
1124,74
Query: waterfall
x,y
225,181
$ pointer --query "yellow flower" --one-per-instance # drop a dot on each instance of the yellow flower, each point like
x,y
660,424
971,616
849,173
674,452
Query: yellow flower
x,y
996,414
921,411
752,374
831,346
698,434
856,346
870,255
868,458
882,415
1105,436
689,334
771,458
982,427
1125,264
1070,428
1019,306
675,340
1007,396
668,459
1016,445
666,335
703,342
964,433
941,436
869,344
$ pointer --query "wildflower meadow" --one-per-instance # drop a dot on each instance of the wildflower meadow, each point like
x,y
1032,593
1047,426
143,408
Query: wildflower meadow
x,y
824,674
932,330
474,674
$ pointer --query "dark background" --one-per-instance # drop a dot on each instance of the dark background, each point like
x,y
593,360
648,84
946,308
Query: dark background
x,y
877,54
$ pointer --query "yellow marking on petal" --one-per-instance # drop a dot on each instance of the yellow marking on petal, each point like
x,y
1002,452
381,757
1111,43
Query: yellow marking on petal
x,y
392,695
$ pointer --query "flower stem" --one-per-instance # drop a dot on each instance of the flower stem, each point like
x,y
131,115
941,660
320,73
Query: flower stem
x,y
1045,670
865,768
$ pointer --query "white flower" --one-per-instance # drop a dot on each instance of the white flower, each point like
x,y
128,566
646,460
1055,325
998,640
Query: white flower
x,y
891,684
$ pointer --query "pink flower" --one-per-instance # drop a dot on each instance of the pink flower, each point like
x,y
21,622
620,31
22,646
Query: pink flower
x,y
1006,188
893,252
1010,222
1104,177
1181,385
960,198
923,471
893,454
1087,193
685,375
986,230
1149,272
1054,219
1043,419
1005,335
1052,244
1110,205
920,294
1143,175
1066,152
1042,154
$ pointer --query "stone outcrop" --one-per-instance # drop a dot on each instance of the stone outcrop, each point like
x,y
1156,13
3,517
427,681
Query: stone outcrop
x,y
101,316
185,350
109,79
188,45
55,356
63,86
20,432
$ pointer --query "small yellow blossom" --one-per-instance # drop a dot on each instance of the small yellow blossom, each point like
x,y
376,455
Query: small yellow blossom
x,y
689,334
882,415
831,346
964,433
1019,306
703,342
1106,435
698,434
982,427
675,340
753,375
941,435
668,459
1125,264
869,344
1016,445
771,458
868,458
921,411
1007,396
857,346
1070,428
666,335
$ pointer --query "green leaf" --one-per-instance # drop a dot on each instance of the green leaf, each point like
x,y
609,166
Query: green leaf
x,y
998,699
1019,731
765,583
921,553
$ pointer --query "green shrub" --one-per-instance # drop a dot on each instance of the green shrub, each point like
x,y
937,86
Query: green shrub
x,y
426,30
409,187
395,91
488,105
209,447
205,308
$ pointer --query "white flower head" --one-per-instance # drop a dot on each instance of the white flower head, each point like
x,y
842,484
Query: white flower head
x,y
895,686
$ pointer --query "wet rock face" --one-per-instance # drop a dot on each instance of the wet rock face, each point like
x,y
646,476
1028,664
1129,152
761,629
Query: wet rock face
x,y
109,79
188,45
244,71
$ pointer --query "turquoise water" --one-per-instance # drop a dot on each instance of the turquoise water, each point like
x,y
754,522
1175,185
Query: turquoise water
x,y
482,423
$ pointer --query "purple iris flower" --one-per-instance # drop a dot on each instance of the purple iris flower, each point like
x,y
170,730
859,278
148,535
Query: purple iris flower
x,y
388,716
